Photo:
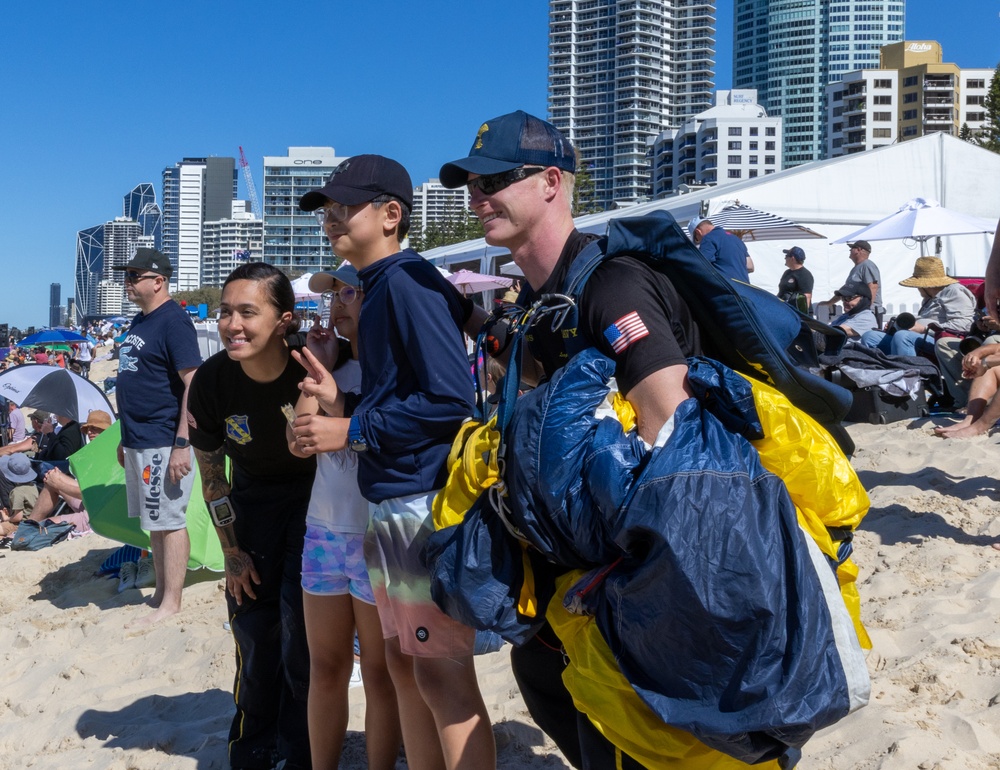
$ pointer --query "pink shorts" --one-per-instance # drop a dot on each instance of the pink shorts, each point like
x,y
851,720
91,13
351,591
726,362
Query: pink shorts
x,y
396,536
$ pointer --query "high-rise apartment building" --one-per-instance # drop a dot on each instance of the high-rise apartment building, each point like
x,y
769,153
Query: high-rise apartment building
x,y
913,92
122,237
293,239
230,242
55,304
790,50
195,191
621,71
433,203
733,140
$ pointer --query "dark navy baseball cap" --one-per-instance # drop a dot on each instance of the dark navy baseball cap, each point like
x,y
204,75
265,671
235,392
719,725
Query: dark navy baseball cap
x,y
508,142
361,179
796,253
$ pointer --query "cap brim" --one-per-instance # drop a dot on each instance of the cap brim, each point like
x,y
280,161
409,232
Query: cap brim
x,y
348,196
456,173
321,282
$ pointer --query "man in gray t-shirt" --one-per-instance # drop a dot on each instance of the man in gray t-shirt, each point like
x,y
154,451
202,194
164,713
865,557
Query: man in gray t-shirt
x,y
864,271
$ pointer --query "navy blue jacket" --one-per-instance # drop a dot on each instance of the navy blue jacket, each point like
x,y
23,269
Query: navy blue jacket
x,y
415,377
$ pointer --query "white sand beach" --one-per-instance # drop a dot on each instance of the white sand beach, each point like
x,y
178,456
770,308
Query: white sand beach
x,y
77,691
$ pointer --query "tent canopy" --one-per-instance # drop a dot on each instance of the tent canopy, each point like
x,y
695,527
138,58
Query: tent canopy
x,y
834,197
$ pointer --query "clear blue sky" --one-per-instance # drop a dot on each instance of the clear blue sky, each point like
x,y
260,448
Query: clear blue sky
x,y
98,97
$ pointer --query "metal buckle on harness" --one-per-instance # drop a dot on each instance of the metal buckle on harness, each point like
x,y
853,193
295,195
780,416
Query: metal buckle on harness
x,y
557,305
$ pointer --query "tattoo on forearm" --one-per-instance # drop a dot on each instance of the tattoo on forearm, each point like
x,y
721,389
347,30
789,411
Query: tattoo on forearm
x,y
212,465
236,564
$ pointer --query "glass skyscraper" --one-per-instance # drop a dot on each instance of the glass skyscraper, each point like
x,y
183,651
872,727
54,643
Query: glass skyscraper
x,y
89,267
620,73
790,50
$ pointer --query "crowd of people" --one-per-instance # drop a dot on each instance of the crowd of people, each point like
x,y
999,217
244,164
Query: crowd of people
x,y
951,329
321,452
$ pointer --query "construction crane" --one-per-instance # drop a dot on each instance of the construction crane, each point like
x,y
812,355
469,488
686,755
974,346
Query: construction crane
x,y
248,180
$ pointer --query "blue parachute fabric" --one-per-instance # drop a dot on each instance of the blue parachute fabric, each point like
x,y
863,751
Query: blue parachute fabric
x,y
552,505
709,600
477,570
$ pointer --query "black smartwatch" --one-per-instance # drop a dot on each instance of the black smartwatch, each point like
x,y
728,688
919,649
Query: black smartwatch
x,y
181,443
354,438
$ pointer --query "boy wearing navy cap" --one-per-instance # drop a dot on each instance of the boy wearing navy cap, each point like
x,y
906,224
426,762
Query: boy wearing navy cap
x,y
416,390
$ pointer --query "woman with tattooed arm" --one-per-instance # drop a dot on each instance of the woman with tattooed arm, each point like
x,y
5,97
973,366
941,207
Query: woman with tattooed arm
x,y
237,409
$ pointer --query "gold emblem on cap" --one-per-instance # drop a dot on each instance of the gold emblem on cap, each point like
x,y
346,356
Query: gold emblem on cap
x,y
479,137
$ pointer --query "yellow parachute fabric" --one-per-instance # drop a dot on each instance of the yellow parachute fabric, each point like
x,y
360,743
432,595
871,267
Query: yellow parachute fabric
x,y
602,692
472,469
820,480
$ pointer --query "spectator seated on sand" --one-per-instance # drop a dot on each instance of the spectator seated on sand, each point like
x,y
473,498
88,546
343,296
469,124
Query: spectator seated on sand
x,y
980,366
19,473
951,350
946,303
61,498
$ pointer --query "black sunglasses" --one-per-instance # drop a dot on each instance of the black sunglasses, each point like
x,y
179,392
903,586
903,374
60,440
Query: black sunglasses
x,y
488,184
131,277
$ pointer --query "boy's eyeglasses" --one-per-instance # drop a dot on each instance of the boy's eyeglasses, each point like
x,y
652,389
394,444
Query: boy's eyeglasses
x,y
488,184
347,295
331,212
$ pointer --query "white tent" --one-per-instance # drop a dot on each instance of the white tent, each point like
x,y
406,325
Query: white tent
x,y
834,197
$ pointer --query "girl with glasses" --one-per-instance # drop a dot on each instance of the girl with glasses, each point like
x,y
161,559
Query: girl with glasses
x,y
338,595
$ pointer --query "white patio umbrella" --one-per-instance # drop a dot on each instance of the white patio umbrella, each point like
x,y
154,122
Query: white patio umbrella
x,y
920,219
469,282
301,288
750,224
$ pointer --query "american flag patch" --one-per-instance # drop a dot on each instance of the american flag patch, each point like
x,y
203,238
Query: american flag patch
x,y
626,330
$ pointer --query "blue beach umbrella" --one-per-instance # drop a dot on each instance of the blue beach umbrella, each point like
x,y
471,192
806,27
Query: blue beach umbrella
x,y
49,336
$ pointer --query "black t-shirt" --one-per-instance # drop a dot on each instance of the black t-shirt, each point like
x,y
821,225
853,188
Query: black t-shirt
x,y
795,282
228,408
629,311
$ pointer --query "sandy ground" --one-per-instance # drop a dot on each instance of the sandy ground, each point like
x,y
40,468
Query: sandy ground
x,y
77,691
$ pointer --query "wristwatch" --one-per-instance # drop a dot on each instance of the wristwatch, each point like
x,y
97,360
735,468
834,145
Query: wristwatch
x,y
354,438
181,443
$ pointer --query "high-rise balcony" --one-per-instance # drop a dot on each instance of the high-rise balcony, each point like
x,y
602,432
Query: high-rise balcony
x,y
938,117
938,82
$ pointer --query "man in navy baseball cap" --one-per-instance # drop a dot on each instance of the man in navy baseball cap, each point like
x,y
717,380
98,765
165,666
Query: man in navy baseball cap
x,y
509,142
